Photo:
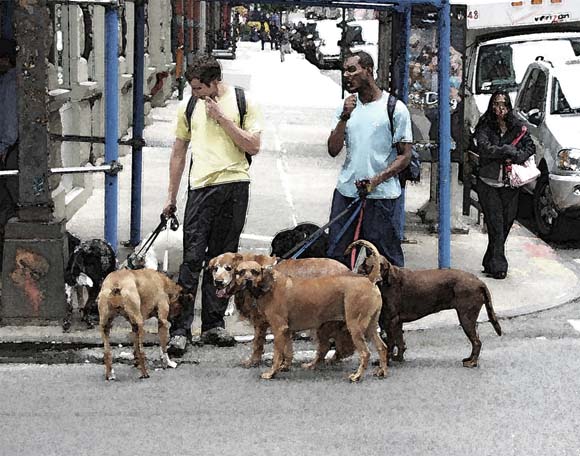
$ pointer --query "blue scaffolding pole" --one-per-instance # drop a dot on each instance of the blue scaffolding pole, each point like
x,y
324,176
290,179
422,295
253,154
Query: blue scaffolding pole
x,y
138,122
111,122
444,137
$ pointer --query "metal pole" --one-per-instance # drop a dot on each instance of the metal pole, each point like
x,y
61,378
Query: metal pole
x,y
404,93
444,137
138,121
6,11
111,122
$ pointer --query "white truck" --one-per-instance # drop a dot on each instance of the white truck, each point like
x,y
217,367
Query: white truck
x,y
503,37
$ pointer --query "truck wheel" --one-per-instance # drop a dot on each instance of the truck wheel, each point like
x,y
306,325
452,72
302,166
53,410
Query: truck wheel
x,y
545,212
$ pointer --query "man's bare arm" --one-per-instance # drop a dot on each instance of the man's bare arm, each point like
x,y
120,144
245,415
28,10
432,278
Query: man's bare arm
x,y
398,165
335,141
176,167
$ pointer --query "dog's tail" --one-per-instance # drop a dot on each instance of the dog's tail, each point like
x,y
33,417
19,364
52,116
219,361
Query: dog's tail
x,y
490,311
375,275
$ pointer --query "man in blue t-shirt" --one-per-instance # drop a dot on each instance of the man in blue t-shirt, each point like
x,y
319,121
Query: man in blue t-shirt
x,y
373,152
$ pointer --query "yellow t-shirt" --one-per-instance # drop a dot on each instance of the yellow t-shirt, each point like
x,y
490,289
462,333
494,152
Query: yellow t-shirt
x,y
215,157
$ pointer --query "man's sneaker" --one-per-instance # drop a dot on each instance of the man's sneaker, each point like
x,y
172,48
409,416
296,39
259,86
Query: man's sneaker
x,y
218,337
177,346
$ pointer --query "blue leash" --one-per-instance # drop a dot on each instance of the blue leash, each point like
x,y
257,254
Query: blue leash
x,y
296,251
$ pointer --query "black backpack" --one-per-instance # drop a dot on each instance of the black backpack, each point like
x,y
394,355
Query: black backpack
x,y
242,109
413,171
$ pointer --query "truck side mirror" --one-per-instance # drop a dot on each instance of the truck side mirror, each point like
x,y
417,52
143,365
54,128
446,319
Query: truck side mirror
x,y
534,116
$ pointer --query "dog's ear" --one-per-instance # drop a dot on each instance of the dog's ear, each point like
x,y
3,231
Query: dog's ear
x,y
238,258
385,270
266,279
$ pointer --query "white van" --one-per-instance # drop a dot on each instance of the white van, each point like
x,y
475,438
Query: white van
x,y
548,102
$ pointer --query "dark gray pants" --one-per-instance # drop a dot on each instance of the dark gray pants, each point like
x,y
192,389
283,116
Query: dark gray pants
x,y
500,208
213,222
8,194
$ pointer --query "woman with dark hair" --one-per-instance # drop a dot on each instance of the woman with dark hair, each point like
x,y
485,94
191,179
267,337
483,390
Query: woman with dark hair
x,y
500,139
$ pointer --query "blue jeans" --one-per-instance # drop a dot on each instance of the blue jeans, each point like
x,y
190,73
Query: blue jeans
x,y
381,226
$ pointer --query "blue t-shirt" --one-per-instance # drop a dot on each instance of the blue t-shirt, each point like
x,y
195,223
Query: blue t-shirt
x,y
369,146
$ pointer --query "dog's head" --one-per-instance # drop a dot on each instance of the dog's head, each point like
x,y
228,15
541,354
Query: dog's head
x,y
223,269
89,264
252,276
373,260
368,265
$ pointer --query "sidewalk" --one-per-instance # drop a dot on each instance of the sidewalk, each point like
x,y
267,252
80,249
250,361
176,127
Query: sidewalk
x,y
289,187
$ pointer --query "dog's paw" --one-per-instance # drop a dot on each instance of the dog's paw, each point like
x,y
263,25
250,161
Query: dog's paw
x,y
250,362
380,372
267,375
111,376
310,366
143,376
170,364
468,362
355,378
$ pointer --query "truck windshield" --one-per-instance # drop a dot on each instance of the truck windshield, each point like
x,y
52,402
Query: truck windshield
x,y
560,104
495,70
503,65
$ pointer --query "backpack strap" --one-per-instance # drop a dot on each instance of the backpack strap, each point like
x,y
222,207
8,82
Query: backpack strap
x,y
189,111
242,110
391,104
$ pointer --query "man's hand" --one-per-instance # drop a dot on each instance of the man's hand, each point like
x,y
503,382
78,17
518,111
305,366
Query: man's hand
x,y
169,209
348,108
213,110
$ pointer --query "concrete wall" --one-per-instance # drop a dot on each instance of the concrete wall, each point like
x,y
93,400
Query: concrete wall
x,y
76,90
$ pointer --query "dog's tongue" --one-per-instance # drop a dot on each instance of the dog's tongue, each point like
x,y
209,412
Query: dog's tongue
x,y
221,293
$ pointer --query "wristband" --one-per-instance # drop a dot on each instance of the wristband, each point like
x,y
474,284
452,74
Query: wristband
x,y
344,117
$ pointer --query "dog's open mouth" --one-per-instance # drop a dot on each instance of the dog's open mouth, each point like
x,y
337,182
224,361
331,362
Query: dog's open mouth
x,y
222,293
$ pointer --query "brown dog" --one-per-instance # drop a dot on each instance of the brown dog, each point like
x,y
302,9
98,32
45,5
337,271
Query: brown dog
x,y
223,267
138,295
409,295
296,303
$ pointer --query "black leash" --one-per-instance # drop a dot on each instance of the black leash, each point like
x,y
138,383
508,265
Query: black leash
x,y
136,260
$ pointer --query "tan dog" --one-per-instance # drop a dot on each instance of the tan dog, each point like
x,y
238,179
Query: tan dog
x,y
223,267
409,295
138,295
296,303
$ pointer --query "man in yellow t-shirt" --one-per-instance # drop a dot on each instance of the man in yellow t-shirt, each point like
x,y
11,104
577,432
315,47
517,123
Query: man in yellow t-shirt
x,y
217,200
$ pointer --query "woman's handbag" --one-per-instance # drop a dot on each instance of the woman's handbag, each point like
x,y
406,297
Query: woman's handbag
x,y
525,173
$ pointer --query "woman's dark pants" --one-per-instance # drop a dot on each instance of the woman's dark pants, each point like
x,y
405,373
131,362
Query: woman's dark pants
x,y
500,207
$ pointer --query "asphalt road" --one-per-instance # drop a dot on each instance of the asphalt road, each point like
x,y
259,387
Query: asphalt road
x,y
522,400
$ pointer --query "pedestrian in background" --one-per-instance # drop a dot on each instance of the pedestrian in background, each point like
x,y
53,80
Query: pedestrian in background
x,y
217,200
8,136
376,151
265,34
284,38
497,130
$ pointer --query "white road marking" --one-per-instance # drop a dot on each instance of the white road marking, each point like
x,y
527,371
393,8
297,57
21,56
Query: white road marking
x,y
281,165
256,237
575,324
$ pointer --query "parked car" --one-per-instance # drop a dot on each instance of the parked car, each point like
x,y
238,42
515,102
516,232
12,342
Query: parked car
x,y
549,103
358,35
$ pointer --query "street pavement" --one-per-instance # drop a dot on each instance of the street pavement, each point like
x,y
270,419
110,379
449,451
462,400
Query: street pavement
x,y
292,181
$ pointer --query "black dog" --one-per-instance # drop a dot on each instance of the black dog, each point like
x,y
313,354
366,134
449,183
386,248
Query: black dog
x,y
286,240
88,265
